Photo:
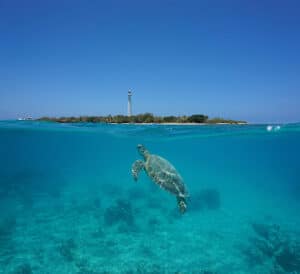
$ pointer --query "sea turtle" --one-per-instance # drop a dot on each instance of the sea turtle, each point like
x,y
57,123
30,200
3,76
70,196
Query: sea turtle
x,y
162,173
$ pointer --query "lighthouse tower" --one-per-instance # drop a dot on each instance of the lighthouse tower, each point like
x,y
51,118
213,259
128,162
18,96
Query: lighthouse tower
x,y
129,110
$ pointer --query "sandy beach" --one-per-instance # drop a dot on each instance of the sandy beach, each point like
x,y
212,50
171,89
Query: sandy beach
x,y
179,124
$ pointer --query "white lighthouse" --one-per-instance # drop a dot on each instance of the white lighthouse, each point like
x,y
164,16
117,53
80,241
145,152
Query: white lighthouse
x,y
129,110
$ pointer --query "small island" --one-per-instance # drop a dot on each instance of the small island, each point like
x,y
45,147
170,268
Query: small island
x,y
145,118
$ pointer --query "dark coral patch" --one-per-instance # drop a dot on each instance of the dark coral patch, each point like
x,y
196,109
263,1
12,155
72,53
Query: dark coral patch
x,y
205,199
120,212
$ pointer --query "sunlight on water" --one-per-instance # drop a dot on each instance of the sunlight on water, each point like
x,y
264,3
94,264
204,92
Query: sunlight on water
x,y
70,205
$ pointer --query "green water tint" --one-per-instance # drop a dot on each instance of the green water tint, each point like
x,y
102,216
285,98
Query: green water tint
x,y
70,205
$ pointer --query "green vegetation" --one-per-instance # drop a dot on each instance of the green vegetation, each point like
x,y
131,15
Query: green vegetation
x,y
223,121
142,118
198,118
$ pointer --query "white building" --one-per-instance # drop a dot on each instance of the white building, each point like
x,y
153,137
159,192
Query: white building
x,y
129,110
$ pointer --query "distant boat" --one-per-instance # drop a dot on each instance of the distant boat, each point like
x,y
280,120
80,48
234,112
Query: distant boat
x,y
25,118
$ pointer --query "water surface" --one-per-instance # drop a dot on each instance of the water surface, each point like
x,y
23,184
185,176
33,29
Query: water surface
x,y
69,204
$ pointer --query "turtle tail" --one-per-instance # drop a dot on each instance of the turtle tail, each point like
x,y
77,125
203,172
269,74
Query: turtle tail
x,y
181,202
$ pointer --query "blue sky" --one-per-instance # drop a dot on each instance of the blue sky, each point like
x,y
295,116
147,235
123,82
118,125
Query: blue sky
x,y
234,59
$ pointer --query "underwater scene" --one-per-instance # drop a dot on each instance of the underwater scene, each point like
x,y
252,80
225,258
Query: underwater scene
x,y
69,202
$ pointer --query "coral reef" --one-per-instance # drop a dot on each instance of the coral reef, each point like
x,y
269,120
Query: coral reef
x,y
146,268
23,269
289,257
67,249
205,199
7,228
272,243
84,268
120,212
97,203
25,184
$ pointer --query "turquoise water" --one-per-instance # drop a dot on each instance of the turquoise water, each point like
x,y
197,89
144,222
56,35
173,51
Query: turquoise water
x,y
68,203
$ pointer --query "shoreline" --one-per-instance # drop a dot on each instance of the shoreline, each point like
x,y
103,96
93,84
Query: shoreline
x,y
179,124
146,119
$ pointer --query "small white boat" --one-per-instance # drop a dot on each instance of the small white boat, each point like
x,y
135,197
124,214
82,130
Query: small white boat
x,y
25,118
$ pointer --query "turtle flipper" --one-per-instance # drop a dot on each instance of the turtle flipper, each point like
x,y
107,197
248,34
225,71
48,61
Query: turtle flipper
x,y
181,204
137,166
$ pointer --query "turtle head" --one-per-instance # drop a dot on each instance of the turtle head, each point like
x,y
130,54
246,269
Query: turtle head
x,y
143,151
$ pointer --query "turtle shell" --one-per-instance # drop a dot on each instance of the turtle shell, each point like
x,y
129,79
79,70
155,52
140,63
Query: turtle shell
x,y
163,173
